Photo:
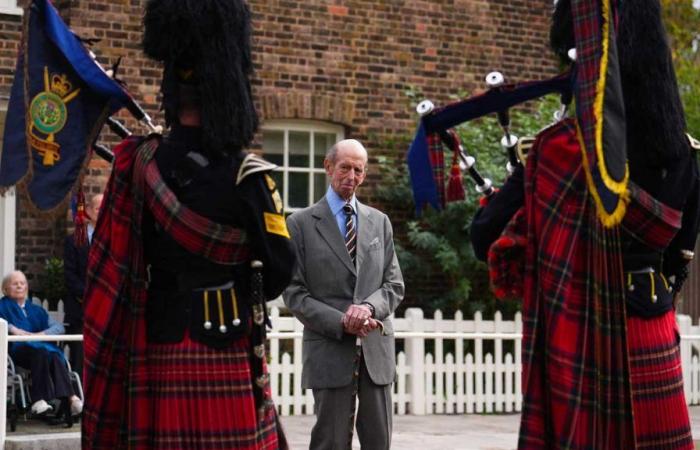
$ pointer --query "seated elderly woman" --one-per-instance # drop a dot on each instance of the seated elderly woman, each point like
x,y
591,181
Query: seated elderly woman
x,y
50,378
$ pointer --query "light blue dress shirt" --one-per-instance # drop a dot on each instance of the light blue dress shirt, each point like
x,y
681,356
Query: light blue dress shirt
x,y
336,203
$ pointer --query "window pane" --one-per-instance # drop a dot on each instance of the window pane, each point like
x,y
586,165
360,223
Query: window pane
x,y
322,142
299,148
320,186
273,147
298,190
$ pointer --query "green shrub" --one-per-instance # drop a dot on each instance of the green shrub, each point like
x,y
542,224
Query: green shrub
x,y
52,281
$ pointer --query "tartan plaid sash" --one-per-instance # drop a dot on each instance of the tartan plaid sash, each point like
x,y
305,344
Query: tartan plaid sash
x,y
221,244
650,221
647,220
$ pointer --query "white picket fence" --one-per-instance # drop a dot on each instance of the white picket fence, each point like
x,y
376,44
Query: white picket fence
x,y
473,366
443,365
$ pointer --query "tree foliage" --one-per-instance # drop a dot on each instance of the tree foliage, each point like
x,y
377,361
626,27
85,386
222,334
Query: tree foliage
x,y
682,22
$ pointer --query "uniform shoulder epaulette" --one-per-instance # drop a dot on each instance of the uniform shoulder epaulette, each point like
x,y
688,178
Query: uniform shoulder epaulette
x,y
524,145
694,143
253,164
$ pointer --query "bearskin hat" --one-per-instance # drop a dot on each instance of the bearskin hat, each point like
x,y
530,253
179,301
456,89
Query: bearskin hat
x,y
204,46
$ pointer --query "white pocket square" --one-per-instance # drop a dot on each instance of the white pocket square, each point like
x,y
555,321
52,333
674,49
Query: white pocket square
x,y
374,242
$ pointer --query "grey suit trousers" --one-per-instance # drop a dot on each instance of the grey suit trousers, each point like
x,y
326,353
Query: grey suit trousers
x,y
374,416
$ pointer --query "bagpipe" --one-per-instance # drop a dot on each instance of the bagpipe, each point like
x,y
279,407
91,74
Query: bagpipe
x,y
435,130
123,132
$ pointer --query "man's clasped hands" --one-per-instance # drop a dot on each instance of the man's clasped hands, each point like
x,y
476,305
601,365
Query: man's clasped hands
x,y
358,320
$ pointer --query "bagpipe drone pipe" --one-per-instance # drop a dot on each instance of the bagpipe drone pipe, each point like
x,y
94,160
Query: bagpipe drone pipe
x,y
118,128
435,130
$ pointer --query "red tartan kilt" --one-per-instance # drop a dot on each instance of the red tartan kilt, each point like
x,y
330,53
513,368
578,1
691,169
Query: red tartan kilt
x,y
660,412
203,399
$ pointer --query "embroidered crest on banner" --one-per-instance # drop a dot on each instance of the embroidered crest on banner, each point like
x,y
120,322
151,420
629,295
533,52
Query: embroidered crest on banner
x,y
49,113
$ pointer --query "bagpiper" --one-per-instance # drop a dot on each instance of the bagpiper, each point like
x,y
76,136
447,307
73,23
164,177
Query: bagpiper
x,y
595,234
190,243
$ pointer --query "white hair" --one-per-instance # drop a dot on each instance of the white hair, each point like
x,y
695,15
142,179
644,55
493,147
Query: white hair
x,y
7,278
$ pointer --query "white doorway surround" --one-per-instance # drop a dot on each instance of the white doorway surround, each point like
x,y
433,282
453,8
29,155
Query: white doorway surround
x,y
10,7
8,214
8,205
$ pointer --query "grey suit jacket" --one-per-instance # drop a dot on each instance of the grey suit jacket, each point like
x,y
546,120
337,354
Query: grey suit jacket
x,y
326,283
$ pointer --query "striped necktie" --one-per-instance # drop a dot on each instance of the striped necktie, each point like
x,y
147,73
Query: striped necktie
x,y
350,233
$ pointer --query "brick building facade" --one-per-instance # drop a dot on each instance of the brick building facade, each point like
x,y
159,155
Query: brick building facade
x,y
324,69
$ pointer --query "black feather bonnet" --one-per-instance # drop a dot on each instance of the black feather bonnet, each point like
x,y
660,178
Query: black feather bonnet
x,y
204,46
653,108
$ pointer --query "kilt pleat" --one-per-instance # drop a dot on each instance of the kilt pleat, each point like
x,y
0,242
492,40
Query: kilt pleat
x,y
661,418
203,399
576,391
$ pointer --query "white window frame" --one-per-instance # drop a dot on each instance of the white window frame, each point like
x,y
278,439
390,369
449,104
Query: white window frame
x,y
10,7
311,127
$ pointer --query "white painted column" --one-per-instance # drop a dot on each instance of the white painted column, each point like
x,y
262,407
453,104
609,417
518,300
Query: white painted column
x,y
3,383
684,327
415,354
8,219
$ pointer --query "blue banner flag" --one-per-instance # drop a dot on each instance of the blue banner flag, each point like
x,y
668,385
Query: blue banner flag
x,y
59,100
420,168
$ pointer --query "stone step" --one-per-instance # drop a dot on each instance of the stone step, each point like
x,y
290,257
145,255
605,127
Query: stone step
x,y
48,441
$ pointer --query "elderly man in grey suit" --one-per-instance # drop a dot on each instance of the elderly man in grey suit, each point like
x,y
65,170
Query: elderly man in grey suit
x,y
347,284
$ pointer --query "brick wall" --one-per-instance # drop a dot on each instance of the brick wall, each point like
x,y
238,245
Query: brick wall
x,y
348,62
10,30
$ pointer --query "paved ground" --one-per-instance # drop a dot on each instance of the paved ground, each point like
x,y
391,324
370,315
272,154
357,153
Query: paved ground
x,y
482,432
457,432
